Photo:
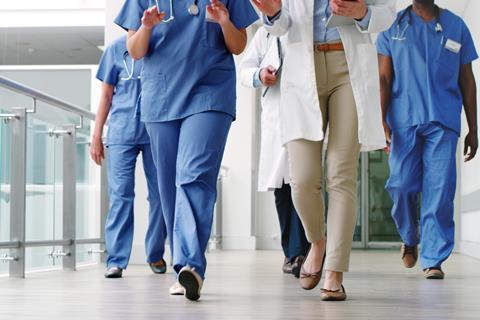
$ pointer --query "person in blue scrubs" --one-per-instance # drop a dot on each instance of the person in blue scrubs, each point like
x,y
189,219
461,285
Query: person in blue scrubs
x,y
188,105
426,75
126,139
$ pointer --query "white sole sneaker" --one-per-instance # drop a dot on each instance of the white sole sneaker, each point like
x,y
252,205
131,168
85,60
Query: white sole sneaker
x,y
191,281
176,290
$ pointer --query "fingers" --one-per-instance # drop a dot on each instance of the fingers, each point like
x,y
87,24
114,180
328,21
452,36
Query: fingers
x,y
271,69
469,152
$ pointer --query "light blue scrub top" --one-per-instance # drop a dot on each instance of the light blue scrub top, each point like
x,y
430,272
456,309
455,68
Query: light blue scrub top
x,y
188,68
124,125
425,84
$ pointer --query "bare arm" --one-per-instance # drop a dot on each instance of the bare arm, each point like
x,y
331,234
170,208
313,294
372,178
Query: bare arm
x,y
96,148
138,40
235,39
386,78
469,94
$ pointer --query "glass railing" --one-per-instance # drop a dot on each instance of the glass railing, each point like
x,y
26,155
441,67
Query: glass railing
x,y
53,200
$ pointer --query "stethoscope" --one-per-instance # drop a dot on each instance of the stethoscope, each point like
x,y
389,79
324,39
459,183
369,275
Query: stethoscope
x,y
402,32
193,10
130,74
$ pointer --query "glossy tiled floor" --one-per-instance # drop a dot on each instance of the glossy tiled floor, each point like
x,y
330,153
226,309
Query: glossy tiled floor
x,y
249,285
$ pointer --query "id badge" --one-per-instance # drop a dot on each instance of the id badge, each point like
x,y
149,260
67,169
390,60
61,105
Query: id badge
x,y
453,46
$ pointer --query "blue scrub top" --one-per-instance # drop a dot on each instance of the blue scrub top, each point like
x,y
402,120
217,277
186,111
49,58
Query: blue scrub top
x,y
124,125
188,68
425,84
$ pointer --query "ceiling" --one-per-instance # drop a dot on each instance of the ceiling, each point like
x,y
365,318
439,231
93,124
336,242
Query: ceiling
x,y
51,45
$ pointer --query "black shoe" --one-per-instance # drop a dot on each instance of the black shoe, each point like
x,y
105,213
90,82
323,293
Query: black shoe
x,y
113,273
287,266
159,269
297,266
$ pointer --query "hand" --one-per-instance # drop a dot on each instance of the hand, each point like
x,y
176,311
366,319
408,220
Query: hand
x,y
388,135
268,7
151,17
218,12
471,145
356,9
268,76
96,150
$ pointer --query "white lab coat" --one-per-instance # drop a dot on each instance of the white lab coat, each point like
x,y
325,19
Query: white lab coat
x,y
300,107
273,165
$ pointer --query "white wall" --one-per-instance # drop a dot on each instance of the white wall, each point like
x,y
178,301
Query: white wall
x,y
470,172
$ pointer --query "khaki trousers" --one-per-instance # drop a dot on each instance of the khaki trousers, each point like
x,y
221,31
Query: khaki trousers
x,y
305,161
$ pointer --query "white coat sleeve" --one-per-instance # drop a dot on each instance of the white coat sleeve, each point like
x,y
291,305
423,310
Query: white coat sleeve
x,y
383,16
252,59
282,24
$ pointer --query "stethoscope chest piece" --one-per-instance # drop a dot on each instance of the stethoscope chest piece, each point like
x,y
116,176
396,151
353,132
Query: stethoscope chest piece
x,y
193,10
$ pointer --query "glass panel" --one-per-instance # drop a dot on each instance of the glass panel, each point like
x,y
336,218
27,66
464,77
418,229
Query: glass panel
x,y
5,149
381,225
85,256
3,265
40,259
88,191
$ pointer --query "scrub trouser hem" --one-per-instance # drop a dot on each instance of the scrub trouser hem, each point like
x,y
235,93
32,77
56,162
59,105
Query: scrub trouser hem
x,y
339,111
423,161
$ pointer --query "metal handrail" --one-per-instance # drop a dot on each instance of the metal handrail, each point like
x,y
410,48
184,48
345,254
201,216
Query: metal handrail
x,y
44,97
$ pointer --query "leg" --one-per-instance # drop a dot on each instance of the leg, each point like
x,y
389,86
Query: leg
x,y
119,224
405,182
306,174
164,148
201,144
297,241
305,161
282,204
342,171
439,182
157,231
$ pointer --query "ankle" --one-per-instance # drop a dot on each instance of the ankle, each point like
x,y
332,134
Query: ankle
x,y
334,276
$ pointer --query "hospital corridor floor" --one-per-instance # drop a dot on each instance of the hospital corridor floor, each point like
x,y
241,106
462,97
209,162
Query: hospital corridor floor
x,y
248,285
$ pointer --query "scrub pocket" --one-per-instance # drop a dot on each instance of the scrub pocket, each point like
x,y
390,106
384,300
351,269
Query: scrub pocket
x,y
213,36
154,94
212,32
448,66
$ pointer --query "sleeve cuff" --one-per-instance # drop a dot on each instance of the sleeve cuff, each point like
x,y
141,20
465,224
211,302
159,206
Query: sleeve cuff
x,y
270,21
257,83
365,22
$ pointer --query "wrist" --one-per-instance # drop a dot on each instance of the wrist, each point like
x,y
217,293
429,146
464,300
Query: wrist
x,y
362,16
274,14
226,23
147,28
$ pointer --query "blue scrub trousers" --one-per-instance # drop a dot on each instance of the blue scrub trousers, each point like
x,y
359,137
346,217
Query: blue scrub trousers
x,y
119,225
188,153
294,241
422,160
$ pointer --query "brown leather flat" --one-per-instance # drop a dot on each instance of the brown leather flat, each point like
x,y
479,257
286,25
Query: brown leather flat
x,y
335,295
309,281
434,274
